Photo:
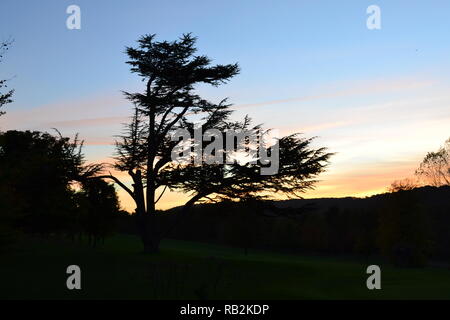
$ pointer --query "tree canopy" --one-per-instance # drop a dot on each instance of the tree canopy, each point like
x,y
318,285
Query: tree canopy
x,y
37,185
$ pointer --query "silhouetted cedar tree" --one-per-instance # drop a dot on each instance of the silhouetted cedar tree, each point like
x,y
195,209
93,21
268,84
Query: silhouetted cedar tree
x,y
171,73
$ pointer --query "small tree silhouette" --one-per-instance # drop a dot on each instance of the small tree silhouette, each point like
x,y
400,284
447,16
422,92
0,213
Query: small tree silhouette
x,y
402,185
435,167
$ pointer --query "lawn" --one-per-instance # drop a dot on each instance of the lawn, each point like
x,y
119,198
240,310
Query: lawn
x,y
36,269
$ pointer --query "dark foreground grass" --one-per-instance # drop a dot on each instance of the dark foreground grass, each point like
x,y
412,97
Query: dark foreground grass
x,y
36,269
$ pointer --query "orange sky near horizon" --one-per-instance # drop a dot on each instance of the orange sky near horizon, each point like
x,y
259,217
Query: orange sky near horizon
x,y
329,186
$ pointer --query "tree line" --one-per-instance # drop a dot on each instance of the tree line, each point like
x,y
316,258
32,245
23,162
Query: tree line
x,y
406,227
44,189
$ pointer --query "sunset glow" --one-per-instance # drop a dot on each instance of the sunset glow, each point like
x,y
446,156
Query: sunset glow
x,y
378,99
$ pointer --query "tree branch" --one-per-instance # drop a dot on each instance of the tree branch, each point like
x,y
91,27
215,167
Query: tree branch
x,y
165,187
120,183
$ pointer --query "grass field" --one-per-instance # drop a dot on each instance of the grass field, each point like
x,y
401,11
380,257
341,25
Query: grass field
x,y
36,269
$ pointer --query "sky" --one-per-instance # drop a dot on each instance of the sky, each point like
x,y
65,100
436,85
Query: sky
x,y
379,99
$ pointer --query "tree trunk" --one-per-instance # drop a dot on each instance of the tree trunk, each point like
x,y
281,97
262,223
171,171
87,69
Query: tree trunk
x,y
151,233
152,236
145,219
146,226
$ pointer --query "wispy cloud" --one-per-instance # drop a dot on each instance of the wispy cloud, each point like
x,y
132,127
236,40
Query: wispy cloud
x,y
89,111
87,122
370,87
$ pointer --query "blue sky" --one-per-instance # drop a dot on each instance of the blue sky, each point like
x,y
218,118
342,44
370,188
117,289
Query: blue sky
x,y
380,98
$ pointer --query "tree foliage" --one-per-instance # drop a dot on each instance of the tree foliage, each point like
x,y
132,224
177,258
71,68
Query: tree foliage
x,y
435,167
5,97
37,177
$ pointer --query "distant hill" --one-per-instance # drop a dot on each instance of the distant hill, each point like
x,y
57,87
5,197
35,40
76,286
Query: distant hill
x,y
428,195
432,196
